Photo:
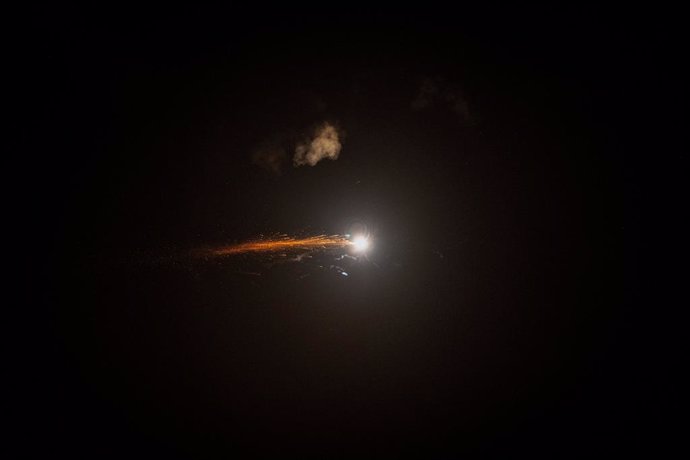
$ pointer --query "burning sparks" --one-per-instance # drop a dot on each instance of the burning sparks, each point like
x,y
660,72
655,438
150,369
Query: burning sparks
x,y
285,243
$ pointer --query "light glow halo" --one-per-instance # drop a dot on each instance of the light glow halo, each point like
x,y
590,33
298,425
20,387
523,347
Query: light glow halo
x,y
360,243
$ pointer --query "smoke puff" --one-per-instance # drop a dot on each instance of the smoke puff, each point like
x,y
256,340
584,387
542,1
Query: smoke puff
x,y
270,158
324,144
428,91
436,92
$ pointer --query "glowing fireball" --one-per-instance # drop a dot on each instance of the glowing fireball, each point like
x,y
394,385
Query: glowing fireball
x,y
360,243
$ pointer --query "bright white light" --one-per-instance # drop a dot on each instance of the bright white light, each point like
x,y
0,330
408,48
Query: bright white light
x,y
361,243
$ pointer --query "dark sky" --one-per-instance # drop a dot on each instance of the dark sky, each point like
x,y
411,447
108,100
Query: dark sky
x,y
495,312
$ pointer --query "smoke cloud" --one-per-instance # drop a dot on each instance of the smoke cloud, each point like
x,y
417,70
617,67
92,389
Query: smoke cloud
x,y
324,144
436,92
271,158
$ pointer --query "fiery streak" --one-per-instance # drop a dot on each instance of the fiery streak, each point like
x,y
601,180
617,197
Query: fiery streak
x,y
284,243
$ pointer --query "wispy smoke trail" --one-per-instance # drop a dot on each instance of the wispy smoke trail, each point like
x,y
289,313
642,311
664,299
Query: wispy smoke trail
x,y
270,157
283,243
324,144
436,92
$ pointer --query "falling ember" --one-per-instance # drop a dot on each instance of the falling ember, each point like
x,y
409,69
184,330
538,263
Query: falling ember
x,y
284,243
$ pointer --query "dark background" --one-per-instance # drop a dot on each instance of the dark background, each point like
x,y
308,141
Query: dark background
x,y
497,312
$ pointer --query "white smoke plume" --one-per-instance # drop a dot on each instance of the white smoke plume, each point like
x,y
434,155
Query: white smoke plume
x,y
324,144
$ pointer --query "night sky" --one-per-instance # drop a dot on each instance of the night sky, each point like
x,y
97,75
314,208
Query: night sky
x,y
483,152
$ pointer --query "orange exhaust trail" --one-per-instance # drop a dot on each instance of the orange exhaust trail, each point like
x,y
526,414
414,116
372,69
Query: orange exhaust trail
x,y
284,243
